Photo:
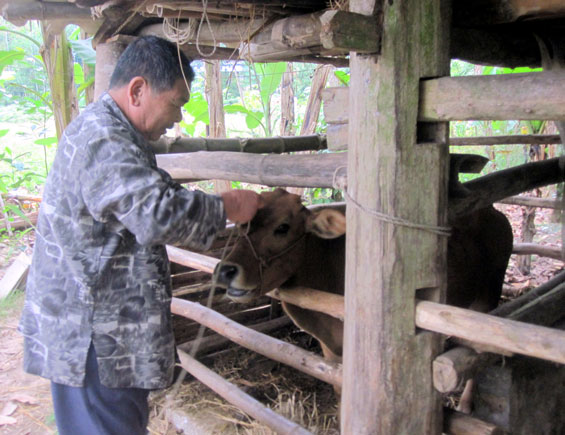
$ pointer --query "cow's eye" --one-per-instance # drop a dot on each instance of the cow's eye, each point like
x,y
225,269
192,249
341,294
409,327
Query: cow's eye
x,y
282,229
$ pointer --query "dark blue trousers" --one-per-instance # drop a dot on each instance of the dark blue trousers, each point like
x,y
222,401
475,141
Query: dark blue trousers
x,y
98,410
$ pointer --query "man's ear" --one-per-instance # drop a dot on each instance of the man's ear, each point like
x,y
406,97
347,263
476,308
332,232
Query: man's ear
x,y
326,223
136,88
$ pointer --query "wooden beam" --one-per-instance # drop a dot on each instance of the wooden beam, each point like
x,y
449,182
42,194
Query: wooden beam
x,y
497,333
311,299
539,95
386,364
192,259
328,32
278,350
243,401
540,250
216,342
271,170
257,145
60,13
452,369
514,139
533,202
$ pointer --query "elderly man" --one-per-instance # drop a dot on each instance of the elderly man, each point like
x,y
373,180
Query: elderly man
x,y
97,320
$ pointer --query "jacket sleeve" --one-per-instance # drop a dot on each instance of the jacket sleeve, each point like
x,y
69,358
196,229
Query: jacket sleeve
x,y
119,179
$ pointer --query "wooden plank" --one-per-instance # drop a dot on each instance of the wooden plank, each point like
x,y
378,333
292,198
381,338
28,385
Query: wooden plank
x,y
312,299
237,397
336,105
337,137
386,363
15,275
495,332
273,348
271,170
532,96
513,139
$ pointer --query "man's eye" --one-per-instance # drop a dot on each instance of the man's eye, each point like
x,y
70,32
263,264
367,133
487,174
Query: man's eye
x,y
282,229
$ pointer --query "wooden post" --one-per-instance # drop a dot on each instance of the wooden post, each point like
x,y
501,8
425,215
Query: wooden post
x,y
107,55
387,386
287,102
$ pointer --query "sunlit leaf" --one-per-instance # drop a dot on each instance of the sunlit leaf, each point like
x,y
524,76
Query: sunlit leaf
x,y
83,49
46,141
9,57
271,78
343,77
79,74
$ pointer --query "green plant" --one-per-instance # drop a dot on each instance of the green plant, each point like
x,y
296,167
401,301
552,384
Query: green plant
x,y
11,304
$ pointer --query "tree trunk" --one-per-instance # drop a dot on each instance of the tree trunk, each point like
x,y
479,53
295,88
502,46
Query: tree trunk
x,y
217,128
58,59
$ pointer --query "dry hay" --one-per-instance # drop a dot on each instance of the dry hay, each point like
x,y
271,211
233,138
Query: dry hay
x,y
296,396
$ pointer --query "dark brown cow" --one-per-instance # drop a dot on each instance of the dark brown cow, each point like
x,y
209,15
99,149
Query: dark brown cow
x,y
288,245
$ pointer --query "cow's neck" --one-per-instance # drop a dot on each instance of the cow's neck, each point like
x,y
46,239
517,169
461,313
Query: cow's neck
x,y
323,265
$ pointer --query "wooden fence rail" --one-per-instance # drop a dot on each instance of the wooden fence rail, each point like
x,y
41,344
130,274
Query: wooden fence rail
x,y
237,397
278,350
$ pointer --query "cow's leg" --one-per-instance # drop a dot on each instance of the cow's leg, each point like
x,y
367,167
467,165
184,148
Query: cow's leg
x,y
332,357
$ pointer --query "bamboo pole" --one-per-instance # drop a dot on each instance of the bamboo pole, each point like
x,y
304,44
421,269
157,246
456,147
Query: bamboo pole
x,y
278,144
278,350
237,397
498,333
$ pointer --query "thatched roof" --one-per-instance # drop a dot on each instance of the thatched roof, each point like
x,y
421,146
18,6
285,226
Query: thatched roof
x,y
498,32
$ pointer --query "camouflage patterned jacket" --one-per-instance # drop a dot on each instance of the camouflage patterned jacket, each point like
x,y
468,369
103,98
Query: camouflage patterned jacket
x,y
100,271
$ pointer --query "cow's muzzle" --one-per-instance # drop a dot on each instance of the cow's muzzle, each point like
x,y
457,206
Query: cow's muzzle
x,y
230,277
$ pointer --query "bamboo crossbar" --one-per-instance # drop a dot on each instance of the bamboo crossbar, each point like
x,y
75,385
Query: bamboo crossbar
x,y
255,145
536,249
238,398
514,139
273,348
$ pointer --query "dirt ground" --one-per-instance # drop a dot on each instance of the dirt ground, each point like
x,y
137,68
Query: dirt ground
x,y
25,404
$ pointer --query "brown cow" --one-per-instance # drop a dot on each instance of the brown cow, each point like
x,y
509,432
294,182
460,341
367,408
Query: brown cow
x,y
289,245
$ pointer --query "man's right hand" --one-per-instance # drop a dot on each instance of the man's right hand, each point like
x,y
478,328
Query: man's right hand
x,y
241,205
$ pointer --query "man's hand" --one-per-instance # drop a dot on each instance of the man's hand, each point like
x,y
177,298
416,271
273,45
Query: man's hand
x,y
241,205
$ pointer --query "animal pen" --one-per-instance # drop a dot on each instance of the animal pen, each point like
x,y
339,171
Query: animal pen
x,y
393,122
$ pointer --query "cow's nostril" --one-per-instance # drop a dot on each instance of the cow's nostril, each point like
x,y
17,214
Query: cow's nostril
x,y
227,273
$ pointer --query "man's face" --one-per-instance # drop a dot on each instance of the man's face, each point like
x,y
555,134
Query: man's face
x,y
159,111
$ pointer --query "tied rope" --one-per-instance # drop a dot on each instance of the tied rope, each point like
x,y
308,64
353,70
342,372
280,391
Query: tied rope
x,y
440,231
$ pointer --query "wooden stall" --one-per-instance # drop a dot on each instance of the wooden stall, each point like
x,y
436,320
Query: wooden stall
x,y
393,120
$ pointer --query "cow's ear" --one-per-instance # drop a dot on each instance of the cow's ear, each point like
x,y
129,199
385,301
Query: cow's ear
x,y
326,223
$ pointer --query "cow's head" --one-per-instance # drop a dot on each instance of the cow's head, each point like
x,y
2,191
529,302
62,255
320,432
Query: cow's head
x,y
274,245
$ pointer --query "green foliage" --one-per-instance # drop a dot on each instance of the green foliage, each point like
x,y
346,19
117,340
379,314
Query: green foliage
x,y
270,78
252,117
343,77
11,304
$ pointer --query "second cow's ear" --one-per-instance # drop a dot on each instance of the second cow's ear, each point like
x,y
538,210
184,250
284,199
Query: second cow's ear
x,y
326,223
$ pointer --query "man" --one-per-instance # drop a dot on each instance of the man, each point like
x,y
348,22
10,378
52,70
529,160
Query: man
x,y
97,320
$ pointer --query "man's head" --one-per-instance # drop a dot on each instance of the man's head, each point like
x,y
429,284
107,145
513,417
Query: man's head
x,y
148,84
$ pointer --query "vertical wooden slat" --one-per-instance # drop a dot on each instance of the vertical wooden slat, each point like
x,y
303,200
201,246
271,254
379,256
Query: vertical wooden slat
x,y
107,55
387,363
217,128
